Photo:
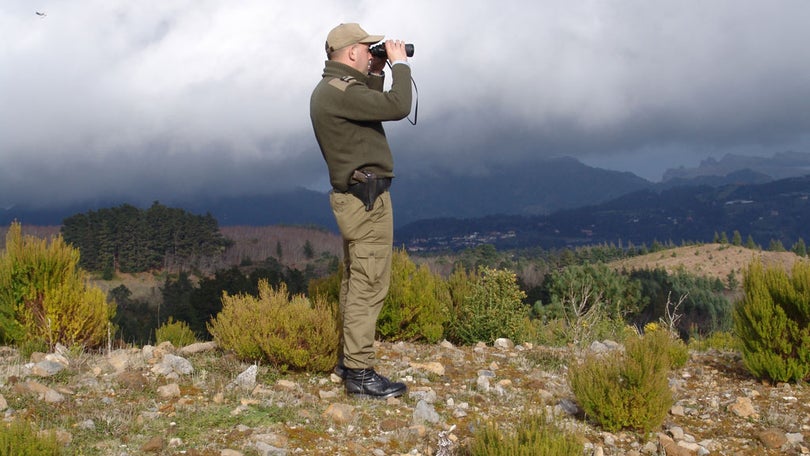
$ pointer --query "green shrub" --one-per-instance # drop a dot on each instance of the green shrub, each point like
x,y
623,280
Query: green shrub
x,y
487,305
416,306
176,332
288,333
44,294
718,340
20,438
773,322
626,390
533,435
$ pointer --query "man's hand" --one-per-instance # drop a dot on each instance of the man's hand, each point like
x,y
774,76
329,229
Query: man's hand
x,y
395,49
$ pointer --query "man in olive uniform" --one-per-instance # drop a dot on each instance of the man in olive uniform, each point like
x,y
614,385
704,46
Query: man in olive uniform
x,y
347,109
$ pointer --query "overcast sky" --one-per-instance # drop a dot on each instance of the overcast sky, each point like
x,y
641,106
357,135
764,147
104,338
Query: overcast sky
x,y
170,98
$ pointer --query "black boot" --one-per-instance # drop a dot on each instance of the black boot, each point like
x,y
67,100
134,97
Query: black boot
x,y
368,383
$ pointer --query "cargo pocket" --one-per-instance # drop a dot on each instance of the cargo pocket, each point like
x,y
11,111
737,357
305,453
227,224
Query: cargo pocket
x,y
371,260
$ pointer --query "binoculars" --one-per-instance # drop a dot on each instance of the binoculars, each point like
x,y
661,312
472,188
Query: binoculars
x,y
378,50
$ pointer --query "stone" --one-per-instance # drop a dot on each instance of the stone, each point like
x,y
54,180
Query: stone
x,y
503,343
772,438
46,368
169,391
198,347
677,410
247,379
339,413
424,412
3,403
432,367
230,452
742,407
154,445
133,381
671,448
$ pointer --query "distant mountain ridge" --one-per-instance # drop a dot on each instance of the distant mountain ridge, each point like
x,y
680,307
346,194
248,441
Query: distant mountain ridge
x,y
776,210
781,165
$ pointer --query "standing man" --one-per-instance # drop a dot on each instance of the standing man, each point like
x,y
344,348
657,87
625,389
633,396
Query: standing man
x,y
347,109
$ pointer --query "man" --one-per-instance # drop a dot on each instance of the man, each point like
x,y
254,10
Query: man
x,y
347,109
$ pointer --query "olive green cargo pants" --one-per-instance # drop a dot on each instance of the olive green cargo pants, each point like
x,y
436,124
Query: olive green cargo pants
x,y
368,238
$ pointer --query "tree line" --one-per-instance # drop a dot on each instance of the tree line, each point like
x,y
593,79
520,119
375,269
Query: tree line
x,y
129,239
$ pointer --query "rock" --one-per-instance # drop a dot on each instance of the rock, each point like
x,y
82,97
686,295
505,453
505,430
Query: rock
x,y
154,445
52,396
677,410
339,413
424,394
598,347
3,403
671,448
432,367
327,394
119,360
87,425
198,347
276,440
173,364
133,381
50,365
425,412
169,391
772,438
229,452
247,379
503,343
792,437
265,449
569,407
286,385
482,384
742,407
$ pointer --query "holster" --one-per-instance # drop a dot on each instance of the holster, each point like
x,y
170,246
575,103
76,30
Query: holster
x,y
368,187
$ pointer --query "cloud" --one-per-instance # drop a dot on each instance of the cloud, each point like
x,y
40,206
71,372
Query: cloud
x,y
154,100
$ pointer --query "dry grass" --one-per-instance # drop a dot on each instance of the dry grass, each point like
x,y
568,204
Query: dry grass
x,y
710,260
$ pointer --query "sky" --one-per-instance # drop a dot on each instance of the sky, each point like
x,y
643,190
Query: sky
x,y
162,100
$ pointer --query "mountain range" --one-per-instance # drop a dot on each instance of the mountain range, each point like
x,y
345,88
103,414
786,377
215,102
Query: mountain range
x,y
557,201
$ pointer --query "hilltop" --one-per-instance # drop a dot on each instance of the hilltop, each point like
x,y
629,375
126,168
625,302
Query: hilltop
x,y
715,261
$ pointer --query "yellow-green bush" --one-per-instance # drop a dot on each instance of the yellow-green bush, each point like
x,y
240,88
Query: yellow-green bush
x,y
487,304
417,302
773,322
20,438
44,294
289,333
626,390
176,332
533,435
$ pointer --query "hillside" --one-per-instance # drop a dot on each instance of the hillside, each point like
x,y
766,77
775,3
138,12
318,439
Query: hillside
x,y
776,210
709,260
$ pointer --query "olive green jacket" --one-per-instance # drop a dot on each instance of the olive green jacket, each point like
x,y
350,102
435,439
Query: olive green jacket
x,y
347,109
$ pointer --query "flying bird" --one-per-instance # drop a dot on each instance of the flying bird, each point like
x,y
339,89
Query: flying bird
x,y
41,14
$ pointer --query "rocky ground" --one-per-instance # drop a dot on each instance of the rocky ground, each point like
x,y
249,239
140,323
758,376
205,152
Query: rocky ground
x,y
200,401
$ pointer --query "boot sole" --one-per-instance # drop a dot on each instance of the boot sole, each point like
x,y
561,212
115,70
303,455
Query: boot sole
x,y
371,396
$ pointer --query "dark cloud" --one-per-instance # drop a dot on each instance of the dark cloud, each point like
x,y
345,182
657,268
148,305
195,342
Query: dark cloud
x,y
211,97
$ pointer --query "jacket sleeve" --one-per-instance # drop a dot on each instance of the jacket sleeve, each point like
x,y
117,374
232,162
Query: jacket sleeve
x,y
363,103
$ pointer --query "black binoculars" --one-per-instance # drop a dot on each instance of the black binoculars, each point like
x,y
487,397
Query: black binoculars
x,y
378,50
